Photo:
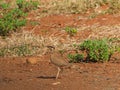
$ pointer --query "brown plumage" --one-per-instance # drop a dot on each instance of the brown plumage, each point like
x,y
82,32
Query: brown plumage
x,y
57,59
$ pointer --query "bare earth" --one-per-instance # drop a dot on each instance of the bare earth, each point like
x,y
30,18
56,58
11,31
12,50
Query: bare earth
x,y
15,74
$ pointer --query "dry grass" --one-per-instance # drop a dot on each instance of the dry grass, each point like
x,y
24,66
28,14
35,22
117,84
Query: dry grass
x,y
81,6
27,43
105,31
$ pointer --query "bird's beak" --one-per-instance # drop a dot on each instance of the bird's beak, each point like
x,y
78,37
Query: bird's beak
x,y
50,46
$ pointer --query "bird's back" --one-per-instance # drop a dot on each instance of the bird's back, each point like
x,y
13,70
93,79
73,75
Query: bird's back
x,y
58,60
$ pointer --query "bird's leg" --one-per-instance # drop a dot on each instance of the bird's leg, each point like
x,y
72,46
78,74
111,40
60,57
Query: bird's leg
x,y
61,70
58,72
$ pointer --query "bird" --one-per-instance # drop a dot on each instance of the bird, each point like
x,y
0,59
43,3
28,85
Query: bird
x,y
57,59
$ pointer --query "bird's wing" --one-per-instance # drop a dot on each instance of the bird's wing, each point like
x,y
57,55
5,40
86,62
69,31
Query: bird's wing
x,y
58,60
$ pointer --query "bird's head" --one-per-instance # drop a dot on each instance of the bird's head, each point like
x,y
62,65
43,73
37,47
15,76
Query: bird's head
x,y
50,49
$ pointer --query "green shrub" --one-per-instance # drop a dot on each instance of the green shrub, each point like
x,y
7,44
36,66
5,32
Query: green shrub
x,y
97,50
71,31
26,6
4,5
75,58
12,21
13,18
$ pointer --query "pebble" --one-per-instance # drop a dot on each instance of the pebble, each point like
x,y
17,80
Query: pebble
x,y
56,83
31,60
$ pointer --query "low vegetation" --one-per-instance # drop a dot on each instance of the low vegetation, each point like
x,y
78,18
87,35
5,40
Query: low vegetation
x,y
75,58
97,50
14,18
114,44
11,21
28,44
71,31
26,6
22,50
82,6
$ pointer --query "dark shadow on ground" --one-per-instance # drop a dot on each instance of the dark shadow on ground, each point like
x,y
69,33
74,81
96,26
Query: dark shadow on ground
x,y
47,77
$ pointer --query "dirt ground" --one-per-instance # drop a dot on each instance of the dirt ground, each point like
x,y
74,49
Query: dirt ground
x,y
16,74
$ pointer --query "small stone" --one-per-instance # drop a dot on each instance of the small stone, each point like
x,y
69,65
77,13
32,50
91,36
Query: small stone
x,y
56,83
31,60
